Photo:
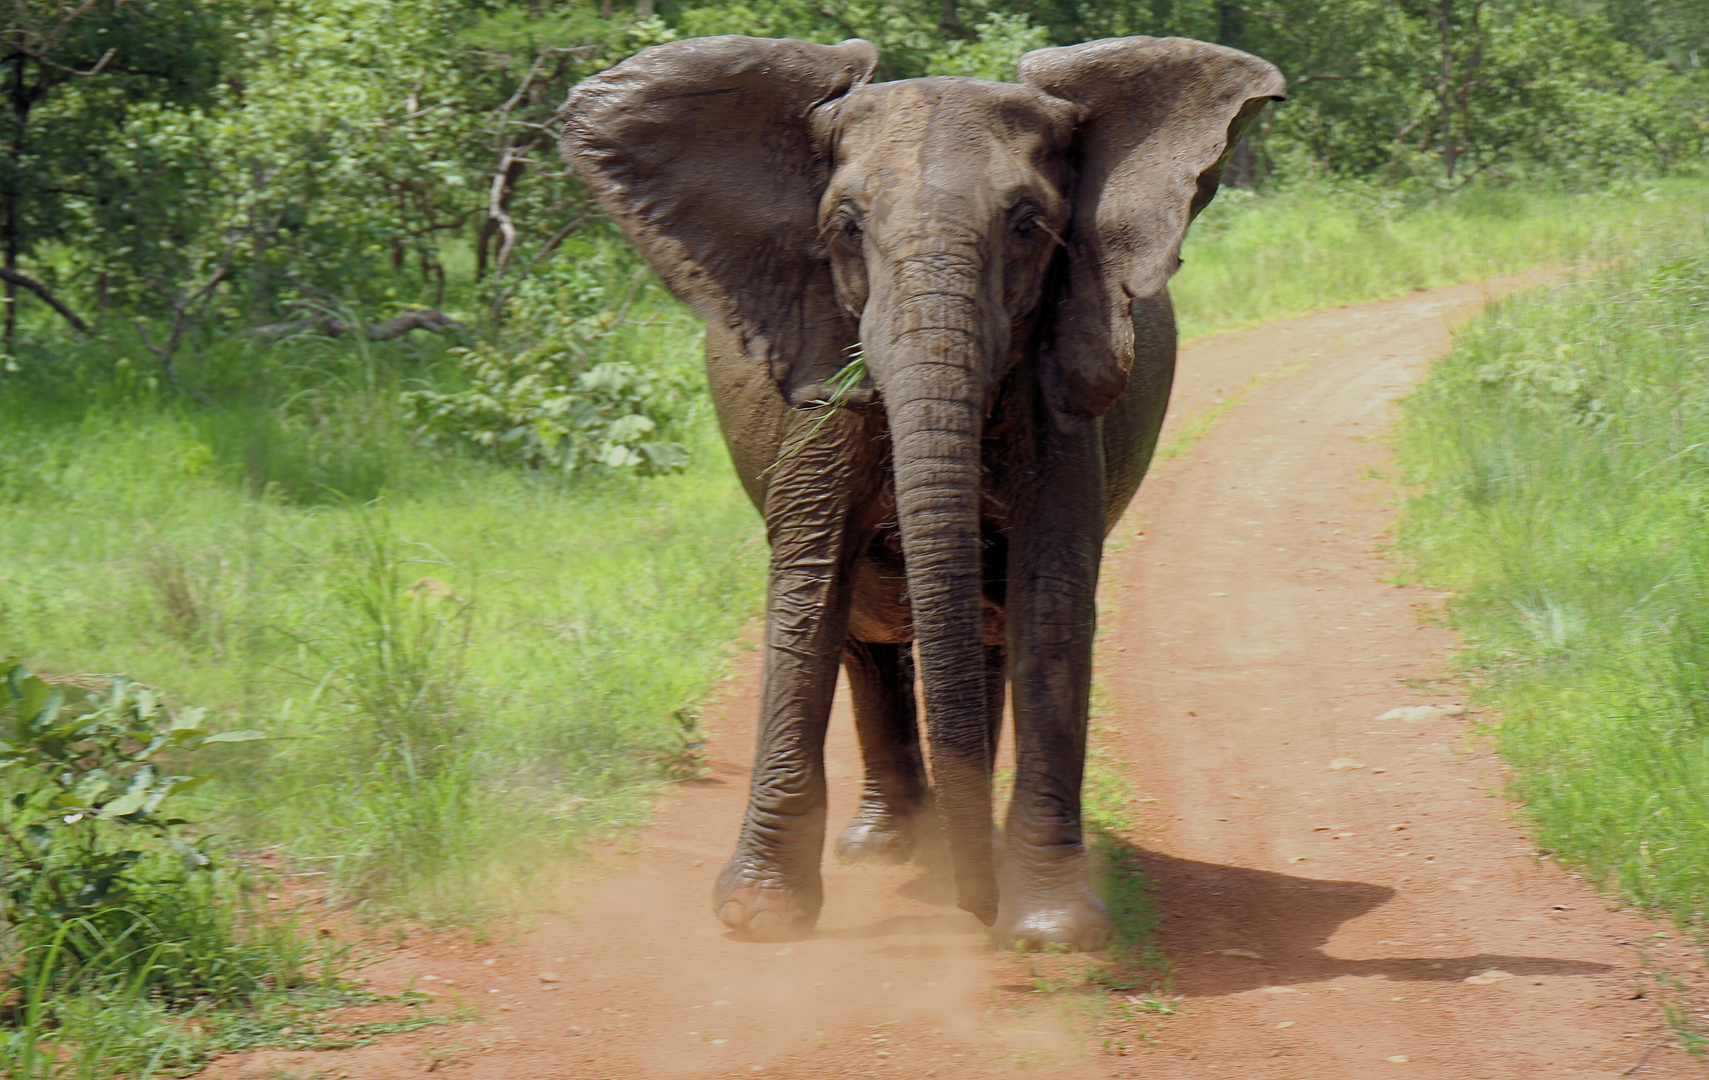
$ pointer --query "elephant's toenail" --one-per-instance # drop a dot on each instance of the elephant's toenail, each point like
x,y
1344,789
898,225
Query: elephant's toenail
x,y
764,923
731,914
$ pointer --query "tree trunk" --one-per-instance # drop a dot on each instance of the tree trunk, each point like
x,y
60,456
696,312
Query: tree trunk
x,y
1445,85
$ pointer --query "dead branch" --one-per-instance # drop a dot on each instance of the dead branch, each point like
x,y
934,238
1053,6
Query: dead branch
x,y
46,44
184,313
100,65
509,171
47,297
398,326
546,249
1304,79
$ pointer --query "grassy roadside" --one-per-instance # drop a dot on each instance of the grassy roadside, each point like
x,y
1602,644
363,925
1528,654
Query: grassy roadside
x,y
1252,258
1561,453
530,645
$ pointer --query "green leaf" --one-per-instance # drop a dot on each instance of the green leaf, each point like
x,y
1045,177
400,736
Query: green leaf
x,y
189,856
189,719
246,735
185,783
128,803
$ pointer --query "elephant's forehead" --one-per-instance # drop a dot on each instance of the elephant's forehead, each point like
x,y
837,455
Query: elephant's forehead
x,y
952,117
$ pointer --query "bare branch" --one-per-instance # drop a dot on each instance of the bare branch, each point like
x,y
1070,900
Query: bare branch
x,y
398,326
183,312
47,297
509,170
96,70
47,43
1303,79
546,249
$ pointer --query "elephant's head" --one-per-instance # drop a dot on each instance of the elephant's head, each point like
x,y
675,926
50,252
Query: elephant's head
x,y
780,194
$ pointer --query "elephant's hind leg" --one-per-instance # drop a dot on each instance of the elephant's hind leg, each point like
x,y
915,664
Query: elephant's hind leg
x,y
895,799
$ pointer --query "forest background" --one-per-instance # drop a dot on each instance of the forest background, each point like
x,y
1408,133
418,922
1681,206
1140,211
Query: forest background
x,y
176,166
334,412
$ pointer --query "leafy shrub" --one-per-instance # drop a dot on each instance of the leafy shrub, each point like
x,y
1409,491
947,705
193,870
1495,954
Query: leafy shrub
x,y
539,409
589,375
94,875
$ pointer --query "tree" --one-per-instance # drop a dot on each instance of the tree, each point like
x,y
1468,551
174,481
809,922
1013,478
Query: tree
x,y
72,71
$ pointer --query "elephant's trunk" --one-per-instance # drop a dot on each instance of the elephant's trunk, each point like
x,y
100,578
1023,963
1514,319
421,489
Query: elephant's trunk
x,y
931,378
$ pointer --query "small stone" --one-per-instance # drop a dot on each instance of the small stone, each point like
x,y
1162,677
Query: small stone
x,y
719,1002
1285,1024
1279,990
1398,1059
549,977
1488,977
1424,714
1345,763
1246,953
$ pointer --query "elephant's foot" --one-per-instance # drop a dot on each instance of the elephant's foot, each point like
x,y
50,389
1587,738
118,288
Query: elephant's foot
x,y
879,833
761,905
1070,916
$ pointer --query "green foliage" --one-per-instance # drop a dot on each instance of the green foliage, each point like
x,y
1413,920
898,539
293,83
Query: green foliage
x,y
199,179
1561,453
594,374
92,862
73,76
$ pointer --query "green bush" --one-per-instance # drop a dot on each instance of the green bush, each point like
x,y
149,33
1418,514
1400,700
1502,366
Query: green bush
x,y
595,371
535,408
95,874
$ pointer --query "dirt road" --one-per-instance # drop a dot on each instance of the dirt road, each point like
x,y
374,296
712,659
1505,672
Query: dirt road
x,y
1344,896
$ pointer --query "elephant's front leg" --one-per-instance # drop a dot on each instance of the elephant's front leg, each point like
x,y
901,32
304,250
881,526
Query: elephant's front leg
x,y
770,889
1055,545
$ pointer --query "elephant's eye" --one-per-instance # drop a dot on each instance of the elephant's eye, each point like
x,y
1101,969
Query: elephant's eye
x,y
1026,224
848,229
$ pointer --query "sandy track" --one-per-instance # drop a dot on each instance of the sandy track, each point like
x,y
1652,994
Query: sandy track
x,y
1360,870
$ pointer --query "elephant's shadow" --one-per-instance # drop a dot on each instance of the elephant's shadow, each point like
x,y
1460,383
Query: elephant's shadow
x,y
1275,924
1285,920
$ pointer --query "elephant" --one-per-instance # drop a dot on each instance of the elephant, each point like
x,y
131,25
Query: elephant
x,y
940,346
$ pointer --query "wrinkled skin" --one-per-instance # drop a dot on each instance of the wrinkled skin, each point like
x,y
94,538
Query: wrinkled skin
x,y
998,253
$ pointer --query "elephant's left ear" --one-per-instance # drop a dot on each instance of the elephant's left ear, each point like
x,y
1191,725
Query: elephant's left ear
x,y
1158,119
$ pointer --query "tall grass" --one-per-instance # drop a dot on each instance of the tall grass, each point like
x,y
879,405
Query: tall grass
x,y
1563,453
1251,257
462,665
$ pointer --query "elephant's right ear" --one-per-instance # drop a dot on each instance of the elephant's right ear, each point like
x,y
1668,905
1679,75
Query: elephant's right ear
x,y
703,152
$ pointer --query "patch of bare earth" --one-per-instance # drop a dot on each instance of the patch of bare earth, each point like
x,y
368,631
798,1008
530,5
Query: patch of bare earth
x,y
1345,896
